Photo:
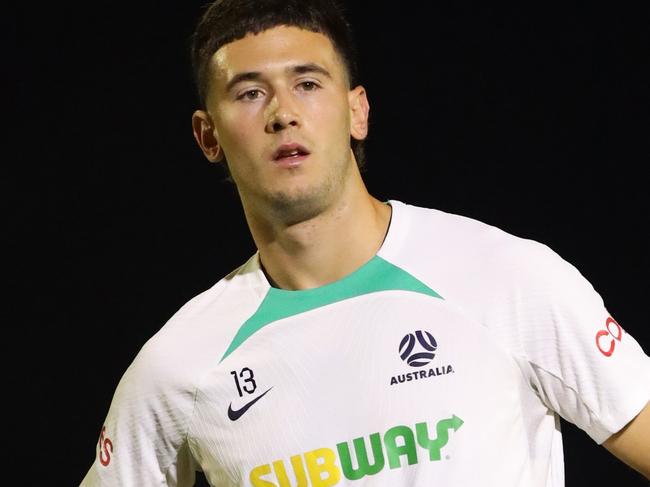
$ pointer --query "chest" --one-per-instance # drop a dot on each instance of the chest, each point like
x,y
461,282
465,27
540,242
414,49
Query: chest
x,y
390,385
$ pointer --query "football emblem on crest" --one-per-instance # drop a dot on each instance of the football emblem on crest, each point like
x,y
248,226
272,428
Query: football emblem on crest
x,y
417,349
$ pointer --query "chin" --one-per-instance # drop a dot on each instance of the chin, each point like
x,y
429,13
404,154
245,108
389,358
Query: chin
x,y
300,204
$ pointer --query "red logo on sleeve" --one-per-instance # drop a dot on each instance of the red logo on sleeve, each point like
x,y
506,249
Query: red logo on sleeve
x,y
105,448
606,339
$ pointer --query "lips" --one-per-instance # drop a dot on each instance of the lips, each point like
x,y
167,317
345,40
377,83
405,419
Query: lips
x,y
289,152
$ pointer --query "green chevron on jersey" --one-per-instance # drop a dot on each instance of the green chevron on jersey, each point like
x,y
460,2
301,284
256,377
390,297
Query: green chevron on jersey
x,y
374,276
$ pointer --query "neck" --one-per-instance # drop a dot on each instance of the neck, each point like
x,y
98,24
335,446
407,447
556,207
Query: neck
x,y
323,248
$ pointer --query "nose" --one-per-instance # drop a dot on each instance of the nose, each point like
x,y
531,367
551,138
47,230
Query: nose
x,y
281,113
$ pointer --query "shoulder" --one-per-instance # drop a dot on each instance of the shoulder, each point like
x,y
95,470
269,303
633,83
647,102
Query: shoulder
x,y
464,241
194,337
479,264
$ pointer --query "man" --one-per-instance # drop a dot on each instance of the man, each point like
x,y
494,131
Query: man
x,y
369,341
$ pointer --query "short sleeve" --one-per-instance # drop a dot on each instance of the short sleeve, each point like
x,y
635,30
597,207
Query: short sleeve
x,y
143,440
583,363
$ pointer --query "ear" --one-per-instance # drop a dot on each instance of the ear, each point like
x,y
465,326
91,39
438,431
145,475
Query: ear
x,y
206,136
359,111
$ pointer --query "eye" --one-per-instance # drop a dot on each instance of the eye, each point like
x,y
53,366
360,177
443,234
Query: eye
x,y
250,95
309,85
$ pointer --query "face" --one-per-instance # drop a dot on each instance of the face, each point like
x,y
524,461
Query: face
x,y
279,108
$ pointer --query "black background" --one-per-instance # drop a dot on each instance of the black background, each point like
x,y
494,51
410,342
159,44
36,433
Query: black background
x,y
534,120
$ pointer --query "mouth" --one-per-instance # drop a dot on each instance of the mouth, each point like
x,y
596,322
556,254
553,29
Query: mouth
x,y
290,154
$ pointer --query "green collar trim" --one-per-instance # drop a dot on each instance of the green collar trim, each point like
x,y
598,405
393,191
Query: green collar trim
x,y
374,276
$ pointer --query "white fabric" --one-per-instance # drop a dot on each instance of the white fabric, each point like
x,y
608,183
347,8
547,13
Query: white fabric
x,y
516,334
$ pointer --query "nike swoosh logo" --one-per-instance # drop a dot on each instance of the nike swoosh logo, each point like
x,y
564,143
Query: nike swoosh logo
x,y
235,414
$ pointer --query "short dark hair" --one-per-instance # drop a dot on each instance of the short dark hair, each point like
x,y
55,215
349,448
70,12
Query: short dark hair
x,y
225,21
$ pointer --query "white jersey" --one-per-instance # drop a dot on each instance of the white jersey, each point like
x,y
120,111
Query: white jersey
x,y
444,360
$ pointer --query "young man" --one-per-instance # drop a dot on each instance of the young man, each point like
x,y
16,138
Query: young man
x,y
364,341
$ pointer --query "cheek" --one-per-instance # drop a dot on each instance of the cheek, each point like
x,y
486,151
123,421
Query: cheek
x,y
332,117
236,130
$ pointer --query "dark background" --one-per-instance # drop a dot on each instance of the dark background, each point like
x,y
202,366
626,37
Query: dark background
x,y
534,120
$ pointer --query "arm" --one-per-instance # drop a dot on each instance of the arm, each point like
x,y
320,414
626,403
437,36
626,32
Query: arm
x,y
142,441
587,367
632,444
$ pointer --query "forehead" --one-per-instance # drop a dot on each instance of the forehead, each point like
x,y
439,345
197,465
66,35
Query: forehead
x,y
275,48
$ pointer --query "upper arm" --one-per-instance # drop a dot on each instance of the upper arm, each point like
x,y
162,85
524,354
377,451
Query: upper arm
x,y
585,366
632,444
143,438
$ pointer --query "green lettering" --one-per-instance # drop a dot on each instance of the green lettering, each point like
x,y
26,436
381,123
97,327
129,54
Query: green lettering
x,y
394,452
362,457
442,429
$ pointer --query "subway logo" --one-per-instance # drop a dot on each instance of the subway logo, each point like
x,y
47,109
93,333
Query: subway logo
x,y
396,448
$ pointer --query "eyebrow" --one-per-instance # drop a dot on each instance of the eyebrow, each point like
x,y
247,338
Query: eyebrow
x,y
297,69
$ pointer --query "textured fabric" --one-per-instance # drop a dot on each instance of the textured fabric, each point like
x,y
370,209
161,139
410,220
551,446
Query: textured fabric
x,y
444,360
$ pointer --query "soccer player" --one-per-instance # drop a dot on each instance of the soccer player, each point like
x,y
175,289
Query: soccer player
x,y
365,341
